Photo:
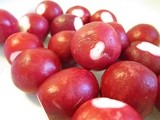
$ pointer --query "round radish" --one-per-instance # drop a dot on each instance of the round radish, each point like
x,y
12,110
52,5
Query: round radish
x,y
132,83
8,25
65,91
49,10
157,104
35,24
32,67
95,46
66,22
81,12
105,108
18,42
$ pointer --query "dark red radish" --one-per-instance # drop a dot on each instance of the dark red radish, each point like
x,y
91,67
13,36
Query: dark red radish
x,y
66,22
145,53
95,46
157,104
32,67
81,12
65,91
143,32
35,24
121,33
8,25
60,44
132,83
18,42
105,109
49,9
104,16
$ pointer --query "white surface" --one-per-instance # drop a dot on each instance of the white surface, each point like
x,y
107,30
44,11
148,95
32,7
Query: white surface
x,y
16,105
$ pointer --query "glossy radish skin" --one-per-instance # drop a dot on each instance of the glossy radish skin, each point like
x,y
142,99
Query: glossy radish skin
x,y
66,22
157,104
32,67
18,42
145,53
81,12
8,25
104,16
95,46
143,32
65,91
105,108
121,33
60,44
49,10
35,24
132,83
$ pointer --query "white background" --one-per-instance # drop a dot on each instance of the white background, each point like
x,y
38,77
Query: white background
x,y
16,105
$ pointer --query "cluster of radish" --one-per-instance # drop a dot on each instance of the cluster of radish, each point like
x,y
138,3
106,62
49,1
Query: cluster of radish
x,y
61,73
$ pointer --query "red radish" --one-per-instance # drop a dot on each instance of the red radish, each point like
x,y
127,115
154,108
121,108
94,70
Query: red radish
x,y
49,10
145,53
8,25
105,109
95,46
81,12
121,33
104,16
65,91
60,44
143,32
157,104
35,24
66,22
132,83
32,67
18,42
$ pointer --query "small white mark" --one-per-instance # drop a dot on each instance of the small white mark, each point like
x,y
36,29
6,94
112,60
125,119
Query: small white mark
x,y
78,23
14,55
149,47
41,9
78,12
107,103
106,17
24,24
96,52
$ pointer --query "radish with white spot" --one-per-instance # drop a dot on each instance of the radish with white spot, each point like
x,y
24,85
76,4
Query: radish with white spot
x,y
104,16
66,22
145,53
105,109
18,42
65,91
95,46
35,24
81,12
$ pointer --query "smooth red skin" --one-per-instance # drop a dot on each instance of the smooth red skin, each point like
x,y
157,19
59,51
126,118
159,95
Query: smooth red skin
x,y
20,41
39,25
63,22
97,16
60,44
8,25
53,10
157,104
32,67
121,33
86,16
143,32
87,37
148,59
132,83
88,111
65,91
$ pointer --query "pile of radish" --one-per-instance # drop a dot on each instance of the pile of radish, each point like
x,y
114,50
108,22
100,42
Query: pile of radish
x,y
60,70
